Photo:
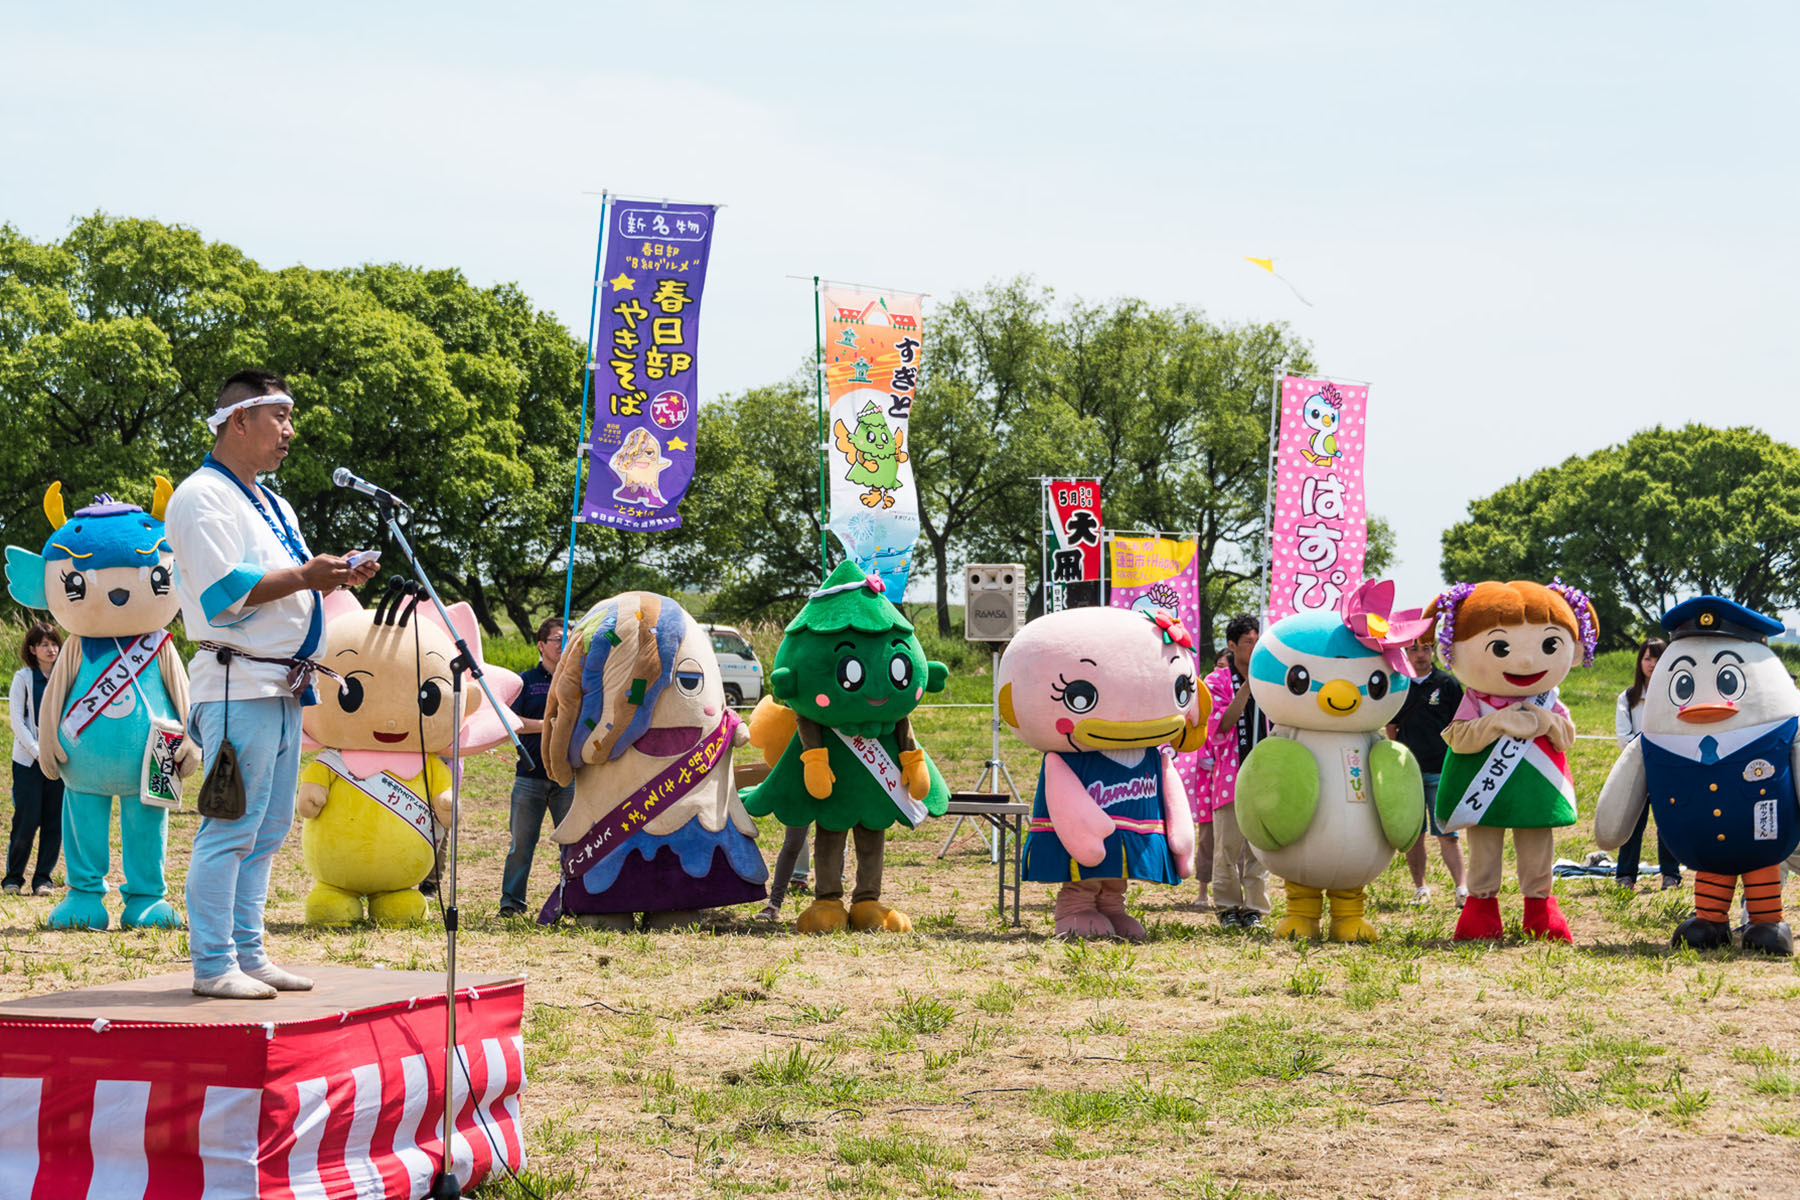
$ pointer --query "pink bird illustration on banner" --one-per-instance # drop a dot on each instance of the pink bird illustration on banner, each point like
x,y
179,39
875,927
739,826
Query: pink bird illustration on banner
x,y
1320,516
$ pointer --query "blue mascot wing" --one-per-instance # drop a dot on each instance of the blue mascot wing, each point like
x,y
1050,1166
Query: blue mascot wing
x,y
25,577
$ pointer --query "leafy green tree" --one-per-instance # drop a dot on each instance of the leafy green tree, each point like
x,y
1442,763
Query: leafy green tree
x,y
759,477
1669,514
112,342
986,424
1179,407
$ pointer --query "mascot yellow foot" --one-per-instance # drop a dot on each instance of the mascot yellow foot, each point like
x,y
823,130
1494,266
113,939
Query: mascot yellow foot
x,y
1304,905
873,914
823,916
872,497
397,908
1347,924
328,905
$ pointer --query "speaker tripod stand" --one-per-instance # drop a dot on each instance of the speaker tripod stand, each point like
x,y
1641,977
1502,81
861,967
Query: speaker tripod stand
x,y
993,775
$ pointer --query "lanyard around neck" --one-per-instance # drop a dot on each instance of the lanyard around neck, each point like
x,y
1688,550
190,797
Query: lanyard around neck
x,y
284,533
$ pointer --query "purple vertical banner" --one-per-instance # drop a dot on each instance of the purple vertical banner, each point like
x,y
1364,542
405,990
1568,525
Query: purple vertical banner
x,y
644,359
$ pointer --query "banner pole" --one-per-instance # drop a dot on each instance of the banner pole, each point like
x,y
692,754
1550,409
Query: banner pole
x,y
581,450
819,376
1268,554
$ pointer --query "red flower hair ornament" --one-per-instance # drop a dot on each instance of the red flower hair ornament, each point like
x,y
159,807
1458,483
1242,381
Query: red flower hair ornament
x,y
1173,631
1368,614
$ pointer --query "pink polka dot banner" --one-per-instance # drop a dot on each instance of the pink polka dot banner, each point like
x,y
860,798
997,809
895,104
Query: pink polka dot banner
x,y
1321,522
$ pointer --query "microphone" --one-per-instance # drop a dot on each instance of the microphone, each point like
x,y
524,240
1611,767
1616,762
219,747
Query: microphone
x,y
344,479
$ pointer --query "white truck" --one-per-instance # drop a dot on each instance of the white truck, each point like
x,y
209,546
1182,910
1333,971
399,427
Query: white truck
x,y
743,675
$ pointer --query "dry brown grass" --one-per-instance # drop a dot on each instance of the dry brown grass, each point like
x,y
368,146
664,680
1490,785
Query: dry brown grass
x,y
972,1059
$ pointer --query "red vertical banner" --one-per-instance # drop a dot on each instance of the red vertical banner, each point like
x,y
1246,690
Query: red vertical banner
x,y
1073,544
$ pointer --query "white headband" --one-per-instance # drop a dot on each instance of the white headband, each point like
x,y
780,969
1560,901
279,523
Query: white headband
x,y
224,414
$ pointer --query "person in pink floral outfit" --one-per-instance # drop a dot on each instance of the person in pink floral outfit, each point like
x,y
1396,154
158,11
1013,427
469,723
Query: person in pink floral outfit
x,y
1240,883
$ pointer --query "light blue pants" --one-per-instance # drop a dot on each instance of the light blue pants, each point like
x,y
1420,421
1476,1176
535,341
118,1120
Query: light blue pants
x,y
228,877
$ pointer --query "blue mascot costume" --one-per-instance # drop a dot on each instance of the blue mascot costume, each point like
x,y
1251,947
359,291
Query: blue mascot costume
x,y
116,699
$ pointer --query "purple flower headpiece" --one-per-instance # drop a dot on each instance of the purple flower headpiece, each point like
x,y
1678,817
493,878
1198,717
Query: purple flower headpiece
x,y
1447,604
1584,616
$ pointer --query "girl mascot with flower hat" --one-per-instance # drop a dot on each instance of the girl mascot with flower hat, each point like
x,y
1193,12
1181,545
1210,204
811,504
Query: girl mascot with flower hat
x,y
1110,696
1511,644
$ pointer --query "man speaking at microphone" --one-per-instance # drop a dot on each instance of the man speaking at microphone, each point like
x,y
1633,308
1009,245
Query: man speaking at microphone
x,y
249,590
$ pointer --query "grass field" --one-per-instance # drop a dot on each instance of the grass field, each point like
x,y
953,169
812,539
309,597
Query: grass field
x,y
974,1059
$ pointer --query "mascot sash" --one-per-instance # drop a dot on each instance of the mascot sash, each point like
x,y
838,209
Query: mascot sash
x,y
885,771
1502,760
675,781
390,793
123,673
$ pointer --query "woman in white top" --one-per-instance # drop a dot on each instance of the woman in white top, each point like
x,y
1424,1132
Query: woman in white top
x,y
1628,722
37,801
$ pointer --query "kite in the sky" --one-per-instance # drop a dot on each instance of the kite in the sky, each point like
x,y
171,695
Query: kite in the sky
x,y
1268,264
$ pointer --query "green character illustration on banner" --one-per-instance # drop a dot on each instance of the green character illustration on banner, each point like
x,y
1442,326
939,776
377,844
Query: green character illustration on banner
x,y
837,736
874,453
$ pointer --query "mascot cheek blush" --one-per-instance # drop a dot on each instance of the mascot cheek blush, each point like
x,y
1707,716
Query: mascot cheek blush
x,y
118,687
637,721
1325,802
375,799
836,731
1101,691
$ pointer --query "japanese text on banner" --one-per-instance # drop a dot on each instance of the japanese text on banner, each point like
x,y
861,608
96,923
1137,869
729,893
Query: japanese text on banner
x,y
1151,573
646,343
1074,540
1320,515
874,349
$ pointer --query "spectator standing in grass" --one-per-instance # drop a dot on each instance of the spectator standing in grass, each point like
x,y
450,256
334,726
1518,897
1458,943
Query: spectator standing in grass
x,y
1628,722
37,800
1240,881
1431,703
533,792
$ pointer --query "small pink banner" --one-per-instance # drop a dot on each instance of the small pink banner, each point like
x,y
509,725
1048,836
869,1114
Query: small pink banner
x,y
1321,518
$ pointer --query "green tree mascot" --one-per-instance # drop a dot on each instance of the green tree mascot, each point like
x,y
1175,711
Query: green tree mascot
x,y
836,732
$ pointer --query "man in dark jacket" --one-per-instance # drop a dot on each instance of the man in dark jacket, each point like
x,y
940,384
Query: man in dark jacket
x,y
533,791
1430,703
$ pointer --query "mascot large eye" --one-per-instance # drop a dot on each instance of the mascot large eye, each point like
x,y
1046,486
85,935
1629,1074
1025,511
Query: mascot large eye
x,y
1730,682
1299,680
1681,687
431,696
689,678
350,697
1184,690
74,586
1378,685
159,580
850,674
1552,645
1078,695
900,671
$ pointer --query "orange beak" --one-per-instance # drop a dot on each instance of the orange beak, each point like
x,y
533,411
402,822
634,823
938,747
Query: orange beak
x,y
1706,714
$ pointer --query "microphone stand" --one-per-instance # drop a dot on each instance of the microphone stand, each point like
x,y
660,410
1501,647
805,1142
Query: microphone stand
x,y
444,1185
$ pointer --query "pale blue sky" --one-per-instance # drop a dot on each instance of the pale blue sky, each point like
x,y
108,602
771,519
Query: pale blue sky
x,y
1535,228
